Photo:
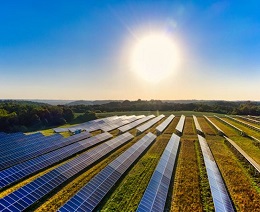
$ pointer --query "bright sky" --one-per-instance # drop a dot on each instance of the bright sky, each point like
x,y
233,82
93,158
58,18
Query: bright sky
x,y
83,49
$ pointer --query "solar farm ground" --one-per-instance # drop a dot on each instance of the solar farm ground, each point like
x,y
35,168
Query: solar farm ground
x,y
189,189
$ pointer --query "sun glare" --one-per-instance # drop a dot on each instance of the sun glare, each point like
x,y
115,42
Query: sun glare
x,y
154,57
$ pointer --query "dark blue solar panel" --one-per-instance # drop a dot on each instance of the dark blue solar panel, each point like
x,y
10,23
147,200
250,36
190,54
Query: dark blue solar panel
x,y
47,145
43,185
221,199
90,195
18,172
155,195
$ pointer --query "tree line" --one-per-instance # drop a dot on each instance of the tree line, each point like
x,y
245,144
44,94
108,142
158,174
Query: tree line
x,y
27,116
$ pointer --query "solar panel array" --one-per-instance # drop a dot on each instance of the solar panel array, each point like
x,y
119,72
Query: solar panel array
x,y
220,132
245,155
250,120
231,125
197,126
149,124
221,199
48,144
244,123
134,124
180,125
88,198
9,142
104,124
22,170
163,125
27,195
155,195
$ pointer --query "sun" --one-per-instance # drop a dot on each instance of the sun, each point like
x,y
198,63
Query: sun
x,y
154,57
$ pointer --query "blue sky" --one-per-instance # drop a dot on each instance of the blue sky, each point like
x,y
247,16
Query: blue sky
x,y
80,49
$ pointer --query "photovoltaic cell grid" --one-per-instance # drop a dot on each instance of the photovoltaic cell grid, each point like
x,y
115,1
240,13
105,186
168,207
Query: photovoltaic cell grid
x,y
27,195
8,139
37,150
231,125
88,198
220,132
155,195
180,124
134,124
31,142
22,170
197,125
11,144
149,124
244,123
163,125
244,154
221,199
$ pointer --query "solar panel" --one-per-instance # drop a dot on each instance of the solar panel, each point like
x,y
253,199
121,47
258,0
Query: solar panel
x,y
221,199
22,170
7,144
249,120
180,125
88,198
245,124
245,155
149,124
231,125
155,195
27,195
134,124
162,126
197,126
220,132
39,149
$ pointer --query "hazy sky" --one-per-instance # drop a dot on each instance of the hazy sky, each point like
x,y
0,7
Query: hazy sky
x,y
81,49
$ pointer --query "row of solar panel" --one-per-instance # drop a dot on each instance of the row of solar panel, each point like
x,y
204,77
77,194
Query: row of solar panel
x,y
160,128
220,196
250,160
37,150
27,195
180,125
155,195
231,125
22,170
245,123
16,139
134,124
105,124
197,126
149,124
249,119
220,132
88,198
31,142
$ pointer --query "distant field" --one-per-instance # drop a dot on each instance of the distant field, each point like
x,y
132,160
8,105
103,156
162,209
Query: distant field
x,y
189,188
167,113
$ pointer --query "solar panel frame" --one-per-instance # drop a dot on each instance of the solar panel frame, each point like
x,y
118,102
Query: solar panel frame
x,y
155,195
160,128
220,132
149,124
219,192
180,126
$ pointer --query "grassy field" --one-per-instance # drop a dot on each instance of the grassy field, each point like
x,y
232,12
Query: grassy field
x,y
167,113
189,189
